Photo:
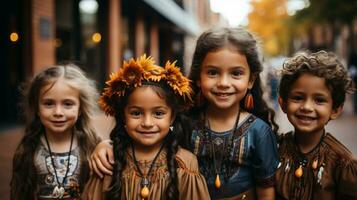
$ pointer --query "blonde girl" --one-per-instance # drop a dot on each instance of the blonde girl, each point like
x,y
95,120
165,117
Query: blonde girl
x,y
51,159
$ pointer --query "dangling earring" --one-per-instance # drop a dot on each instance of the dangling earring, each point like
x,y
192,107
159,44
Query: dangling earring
x,y
171,128
249,102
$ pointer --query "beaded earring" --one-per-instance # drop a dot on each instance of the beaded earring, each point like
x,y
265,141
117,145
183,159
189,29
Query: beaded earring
x,y
249,102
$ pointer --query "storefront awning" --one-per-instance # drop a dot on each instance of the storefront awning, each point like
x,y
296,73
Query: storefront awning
x,y
174,13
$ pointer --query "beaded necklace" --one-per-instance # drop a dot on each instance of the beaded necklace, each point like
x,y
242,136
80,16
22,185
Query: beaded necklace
x,y
59,191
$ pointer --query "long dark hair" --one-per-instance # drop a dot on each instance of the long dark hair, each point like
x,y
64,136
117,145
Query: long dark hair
x,y
24,177
246,44
121,141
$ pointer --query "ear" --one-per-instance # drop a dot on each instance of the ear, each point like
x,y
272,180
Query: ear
x,y
173,117
251,81
198,83
282,104
336,112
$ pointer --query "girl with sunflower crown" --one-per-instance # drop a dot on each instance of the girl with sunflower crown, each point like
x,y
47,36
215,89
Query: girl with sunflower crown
x,y
149,163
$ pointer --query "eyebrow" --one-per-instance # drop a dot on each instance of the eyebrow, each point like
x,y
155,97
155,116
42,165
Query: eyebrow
x,y
157,107
216,67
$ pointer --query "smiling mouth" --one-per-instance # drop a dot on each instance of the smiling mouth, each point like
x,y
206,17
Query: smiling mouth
x,y
148,133
306,119
222,94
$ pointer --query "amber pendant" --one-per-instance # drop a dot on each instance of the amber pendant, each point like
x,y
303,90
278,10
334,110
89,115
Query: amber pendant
x,y
144,192
217,183
314,164
299,172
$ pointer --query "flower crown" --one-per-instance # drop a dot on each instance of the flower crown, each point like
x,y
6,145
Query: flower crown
x,y
134,72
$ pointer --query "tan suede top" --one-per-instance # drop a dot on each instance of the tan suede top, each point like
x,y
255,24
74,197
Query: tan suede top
x,y
191,184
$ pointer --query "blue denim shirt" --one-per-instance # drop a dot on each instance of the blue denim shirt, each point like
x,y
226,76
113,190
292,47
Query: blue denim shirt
x,y
245,161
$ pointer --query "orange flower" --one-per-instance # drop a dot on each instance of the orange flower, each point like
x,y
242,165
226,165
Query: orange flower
x,y
106,102
155,74
147,63
132,73
143,68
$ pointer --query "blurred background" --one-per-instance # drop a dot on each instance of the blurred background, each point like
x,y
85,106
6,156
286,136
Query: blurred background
x,y
99,34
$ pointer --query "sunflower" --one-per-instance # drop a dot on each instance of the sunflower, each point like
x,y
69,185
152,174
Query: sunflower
x,y
155,74
147,63
173,75
106,102
116,84
132,73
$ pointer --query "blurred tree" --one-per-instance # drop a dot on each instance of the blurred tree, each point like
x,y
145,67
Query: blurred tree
x,y
333,14
269,21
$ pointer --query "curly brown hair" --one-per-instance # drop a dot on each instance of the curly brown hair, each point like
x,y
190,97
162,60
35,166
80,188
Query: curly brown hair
x,y
321,64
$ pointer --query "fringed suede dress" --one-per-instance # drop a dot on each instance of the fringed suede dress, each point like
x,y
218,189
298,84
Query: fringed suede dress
x,y
191,184
328,172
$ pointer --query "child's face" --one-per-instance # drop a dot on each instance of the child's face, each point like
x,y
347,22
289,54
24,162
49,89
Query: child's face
x,y
147,117
309,105
225,78
58,107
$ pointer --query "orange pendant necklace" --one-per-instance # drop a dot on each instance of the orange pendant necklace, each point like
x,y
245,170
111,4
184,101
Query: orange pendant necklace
x,y
145,183
217,181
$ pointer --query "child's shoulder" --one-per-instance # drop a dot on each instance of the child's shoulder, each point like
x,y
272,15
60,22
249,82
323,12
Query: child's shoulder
x,y
337,148
186,160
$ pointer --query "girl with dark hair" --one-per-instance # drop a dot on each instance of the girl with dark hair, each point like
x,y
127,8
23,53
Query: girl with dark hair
x,y
232,136
231,125
51,160
146,101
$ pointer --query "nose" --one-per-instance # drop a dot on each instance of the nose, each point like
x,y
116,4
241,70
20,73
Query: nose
x,y
147,121
223,80
58,111
307,105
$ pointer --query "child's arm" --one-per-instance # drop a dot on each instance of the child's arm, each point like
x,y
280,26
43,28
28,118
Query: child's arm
x,y
102,158
265,193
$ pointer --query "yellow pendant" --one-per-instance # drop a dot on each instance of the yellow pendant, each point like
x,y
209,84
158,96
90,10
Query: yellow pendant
x,y
217,183
298,172
314,164
144,192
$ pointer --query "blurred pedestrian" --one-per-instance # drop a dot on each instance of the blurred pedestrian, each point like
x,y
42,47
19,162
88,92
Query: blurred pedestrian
x,y
352,67
51,160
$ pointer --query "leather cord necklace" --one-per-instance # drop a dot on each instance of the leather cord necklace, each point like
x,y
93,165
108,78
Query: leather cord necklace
x,y
58,191
144,192
217,182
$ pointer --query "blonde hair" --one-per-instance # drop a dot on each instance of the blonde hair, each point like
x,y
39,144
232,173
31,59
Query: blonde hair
x,y
24,174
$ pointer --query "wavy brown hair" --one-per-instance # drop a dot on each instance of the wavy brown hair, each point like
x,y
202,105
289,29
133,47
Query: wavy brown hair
x,y
322,64
24,178
244,43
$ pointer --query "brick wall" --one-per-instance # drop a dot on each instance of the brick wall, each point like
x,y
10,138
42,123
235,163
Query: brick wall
x,y
43,34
